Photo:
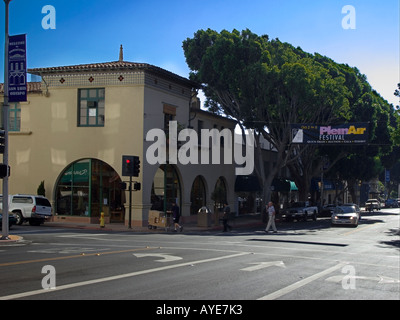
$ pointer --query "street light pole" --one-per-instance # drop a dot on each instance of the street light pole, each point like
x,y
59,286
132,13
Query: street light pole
x,y
5,226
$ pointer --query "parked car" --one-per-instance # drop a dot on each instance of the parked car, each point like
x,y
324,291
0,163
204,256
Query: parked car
x,y
34,209
345,215
327,210
300,210
12,220
391,203
372,204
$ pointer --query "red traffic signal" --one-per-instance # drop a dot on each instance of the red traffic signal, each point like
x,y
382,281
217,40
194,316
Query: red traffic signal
x,y
130,166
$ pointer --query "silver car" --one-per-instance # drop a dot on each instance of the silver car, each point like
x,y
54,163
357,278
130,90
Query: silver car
x,y
345,215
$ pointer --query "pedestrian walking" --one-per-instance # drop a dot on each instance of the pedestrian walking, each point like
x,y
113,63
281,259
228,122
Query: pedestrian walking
x,y
271,217
225,217
176,216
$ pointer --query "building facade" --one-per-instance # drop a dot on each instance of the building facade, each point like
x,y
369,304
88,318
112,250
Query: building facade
x,y
80,120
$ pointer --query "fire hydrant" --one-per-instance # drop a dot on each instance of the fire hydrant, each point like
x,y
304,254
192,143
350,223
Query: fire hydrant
x,y
102,220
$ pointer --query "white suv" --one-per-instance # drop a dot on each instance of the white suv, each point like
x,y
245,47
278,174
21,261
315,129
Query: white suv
x,y
35,209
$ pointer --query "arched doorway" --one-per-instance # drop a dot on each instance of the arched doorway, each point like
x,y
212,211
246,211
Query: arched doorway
x,y
88,187
198,195
220,194
166,188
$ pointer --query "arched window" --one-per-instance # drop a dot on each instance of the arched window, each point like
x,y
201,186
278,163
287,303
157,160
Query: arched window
x,y
197,195
166,188
88,187
219,195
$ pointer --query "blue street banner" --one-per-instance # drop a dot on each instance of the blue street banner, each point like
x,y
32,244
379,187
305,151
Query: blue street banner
x,y
387,175
17,80
349,133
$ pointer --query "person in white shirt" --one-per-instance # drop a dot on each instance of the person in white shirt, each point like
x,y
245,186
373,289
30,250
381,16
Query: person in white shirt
x,y
271,217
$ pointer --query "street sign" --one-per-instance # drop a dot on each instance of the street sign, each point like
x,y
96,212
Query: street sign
x,y
17,80
387,175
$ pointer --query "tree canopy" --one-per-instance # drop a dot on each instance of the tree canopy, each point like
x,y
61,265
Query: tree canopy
x,y
268,85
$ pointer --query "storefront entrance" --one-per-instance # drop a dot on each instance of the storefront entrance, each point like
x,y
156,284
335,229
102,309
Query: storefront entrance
x,y
88,187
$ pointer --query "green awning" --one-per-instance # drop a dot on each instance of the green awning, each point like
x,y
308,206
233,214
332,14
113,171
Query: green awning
x,y
293,186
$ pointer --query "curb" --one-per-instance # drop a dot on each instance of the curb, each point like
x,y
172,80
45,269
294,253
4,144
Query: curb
x,y
11,239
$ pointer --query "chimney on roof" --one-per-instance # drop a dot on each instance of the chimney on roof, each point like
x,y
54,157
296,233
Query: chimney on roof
x,y
121,53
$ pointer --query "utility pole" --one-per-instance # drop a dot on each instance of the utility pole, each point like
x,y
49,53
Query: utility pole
x,y
5,226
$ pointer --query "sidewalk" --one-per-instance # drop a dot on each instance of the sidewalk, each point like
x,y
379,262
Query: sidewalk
x,y
251,220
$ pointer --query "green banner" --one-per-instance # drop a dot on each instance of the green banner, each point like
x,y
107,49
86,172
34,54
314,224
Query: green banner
x,y
78,172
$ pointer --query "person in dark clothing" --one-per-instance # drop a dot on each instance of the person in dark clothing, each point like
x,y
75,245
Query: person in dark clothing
x,y
176,216
225,217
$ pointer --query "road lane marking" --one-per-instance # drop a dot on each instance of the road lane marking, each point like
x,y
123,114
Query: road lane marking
x,y
378,278
358,229
262,265
166,257
7,264
117,277
279,293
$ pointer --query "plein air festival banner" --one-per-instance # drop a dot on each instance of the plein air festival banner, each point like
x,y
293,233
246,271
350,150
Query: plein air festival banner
x,y
349,133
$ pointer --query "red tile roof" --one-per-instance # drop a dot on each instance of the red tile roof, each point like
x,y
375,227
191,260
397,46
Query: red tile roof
x,y
32,87
113,66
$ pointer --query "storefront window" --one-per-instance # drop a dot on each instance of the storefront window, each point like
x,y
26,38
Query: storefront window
x,y
87,188
165,188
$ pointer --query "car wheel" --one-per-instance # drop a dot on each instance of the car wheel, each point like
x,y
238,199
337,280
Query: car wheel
x,y
314,217
19,217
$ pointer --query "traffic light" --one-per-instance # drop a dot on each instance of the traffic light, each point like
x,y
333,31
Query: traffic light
x,y
130,166
2,141
136,166
137,186
4,171
127,165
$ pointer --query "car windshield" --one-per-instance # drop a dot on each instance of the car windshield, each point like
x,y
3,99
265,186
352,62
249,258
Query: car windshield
x,y
297,205
344,210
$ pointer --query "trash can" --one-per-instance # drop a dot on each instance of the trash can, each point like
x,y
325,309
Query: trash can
x,y
204,217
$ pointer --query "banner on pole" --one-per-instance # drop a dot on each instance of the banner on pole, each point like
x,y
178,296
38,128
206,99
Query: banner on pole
x,y
17,80
349,133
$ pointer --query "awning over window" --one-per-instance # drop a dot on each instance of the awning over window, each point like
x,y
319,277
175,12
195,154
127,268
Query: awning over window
x,y
251,184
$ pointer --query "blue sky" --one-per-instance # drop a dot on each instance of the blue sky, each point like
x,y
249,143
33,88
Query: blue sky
x,y
152,31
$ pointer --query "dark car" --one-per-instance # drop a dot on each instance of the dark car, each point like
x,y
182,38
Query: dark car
x,y
391,203
11,220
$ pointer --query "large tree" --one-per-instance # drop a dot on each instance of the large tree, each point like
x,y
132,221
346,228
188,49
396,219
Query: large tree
x,y
267,86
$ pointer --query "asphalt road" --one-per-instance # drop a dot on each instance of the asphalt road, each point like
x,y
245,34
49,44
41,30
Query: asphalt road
x,y
303,261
